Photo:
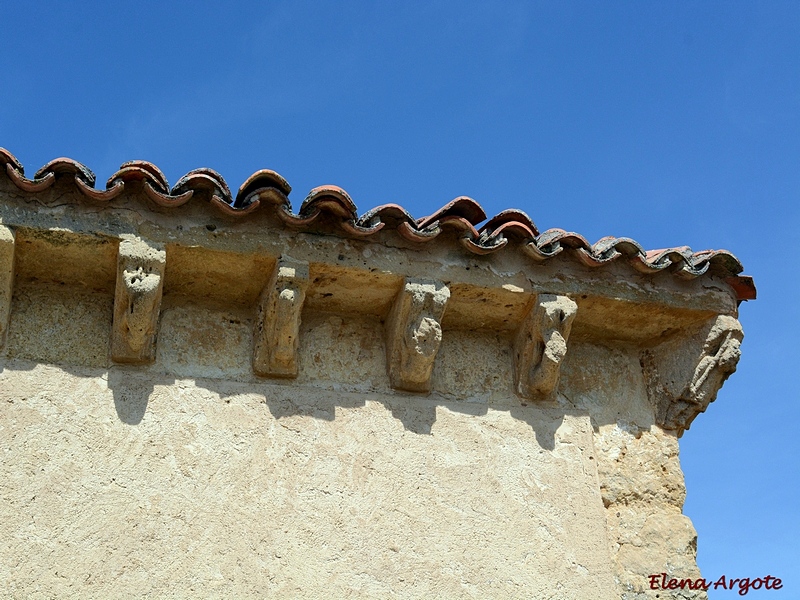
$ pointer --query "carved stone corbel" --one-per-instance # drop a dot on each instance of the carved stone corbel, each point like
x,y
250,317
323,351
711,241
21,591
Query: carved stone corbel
x,y
137,301
541,345
683,379
277,329
6,279
414,333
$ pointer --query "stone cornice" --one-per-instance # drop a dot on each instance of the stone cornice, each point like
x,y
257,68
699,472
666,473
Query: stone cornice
x,y
420,291
196,235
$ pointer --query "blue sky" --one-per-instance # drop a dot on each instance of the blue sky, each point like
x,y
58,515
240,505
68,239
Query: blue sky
x,y
675,123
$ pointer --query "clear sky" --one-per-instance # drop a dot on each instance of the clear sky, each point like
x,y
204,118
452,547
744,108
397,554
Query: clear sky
x,y
674,123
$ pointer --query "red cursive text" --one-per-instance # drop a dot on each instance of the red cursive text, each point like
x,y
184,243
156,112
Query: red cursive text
x,y
745,584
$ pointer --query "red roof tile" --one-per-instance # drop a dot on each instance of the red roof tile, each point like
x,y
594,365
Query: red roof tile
x,y
267,190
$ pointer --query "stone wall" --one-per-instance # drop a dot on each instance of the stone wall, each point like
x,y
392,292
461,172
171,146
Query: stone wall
x,y
194,411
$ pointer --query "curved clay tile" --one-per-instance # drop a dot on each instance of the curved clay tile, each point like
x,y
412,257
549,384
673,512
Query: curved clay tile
x,y
546,245
678,260
718,259
257,185
166,200
539,255
459,224
286,215
463,206
743,286
462,215
640,264
154,183
560,237
513,220
29,185
327,204
141,170
384,213
67,166
588,258
330,198
8,159
226,207
359,230
515,229
101,196
617,246
483,247
209,185
668,255
204,181
414,234
334,201
134,173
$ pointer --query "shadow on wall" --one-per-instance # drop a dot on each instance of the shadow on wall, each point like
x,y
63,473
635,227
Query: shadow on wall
x,y
417,413
472,375
132,392
132,389
342,363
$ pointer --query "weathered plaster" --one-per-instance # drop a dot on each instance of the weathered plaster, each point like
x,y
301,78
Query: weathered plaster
x,y
313,416
119,482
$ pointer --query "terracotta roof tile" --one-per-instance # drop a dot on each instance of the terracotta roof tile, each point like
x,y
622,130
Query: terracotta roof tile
x,y
267,190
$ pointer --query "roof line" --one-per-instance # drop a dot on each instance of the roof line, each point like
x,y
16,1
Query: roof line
x,y
268,190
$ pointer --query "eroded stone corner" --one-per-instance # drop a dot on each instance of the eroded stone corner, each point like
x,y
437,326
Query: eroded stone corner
x,y
277,330
7,242
414,333
683,378
541,345
137,301
643,491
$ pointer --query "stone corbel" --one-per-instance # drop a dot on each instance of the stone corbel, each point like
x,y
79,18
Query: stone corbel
x,y
277,329
541,345
414,333
684,377
6,279
137,301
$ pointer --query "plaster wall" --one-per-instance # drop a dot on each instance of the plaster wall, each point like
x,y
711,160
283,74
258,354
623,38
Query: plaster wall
x,y
193,477
187,475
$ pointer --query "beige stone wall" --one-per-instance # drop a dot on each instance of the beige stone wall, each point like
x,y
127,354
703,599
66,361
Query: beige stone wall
x,y
177,479
542,463
121,483
640,478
